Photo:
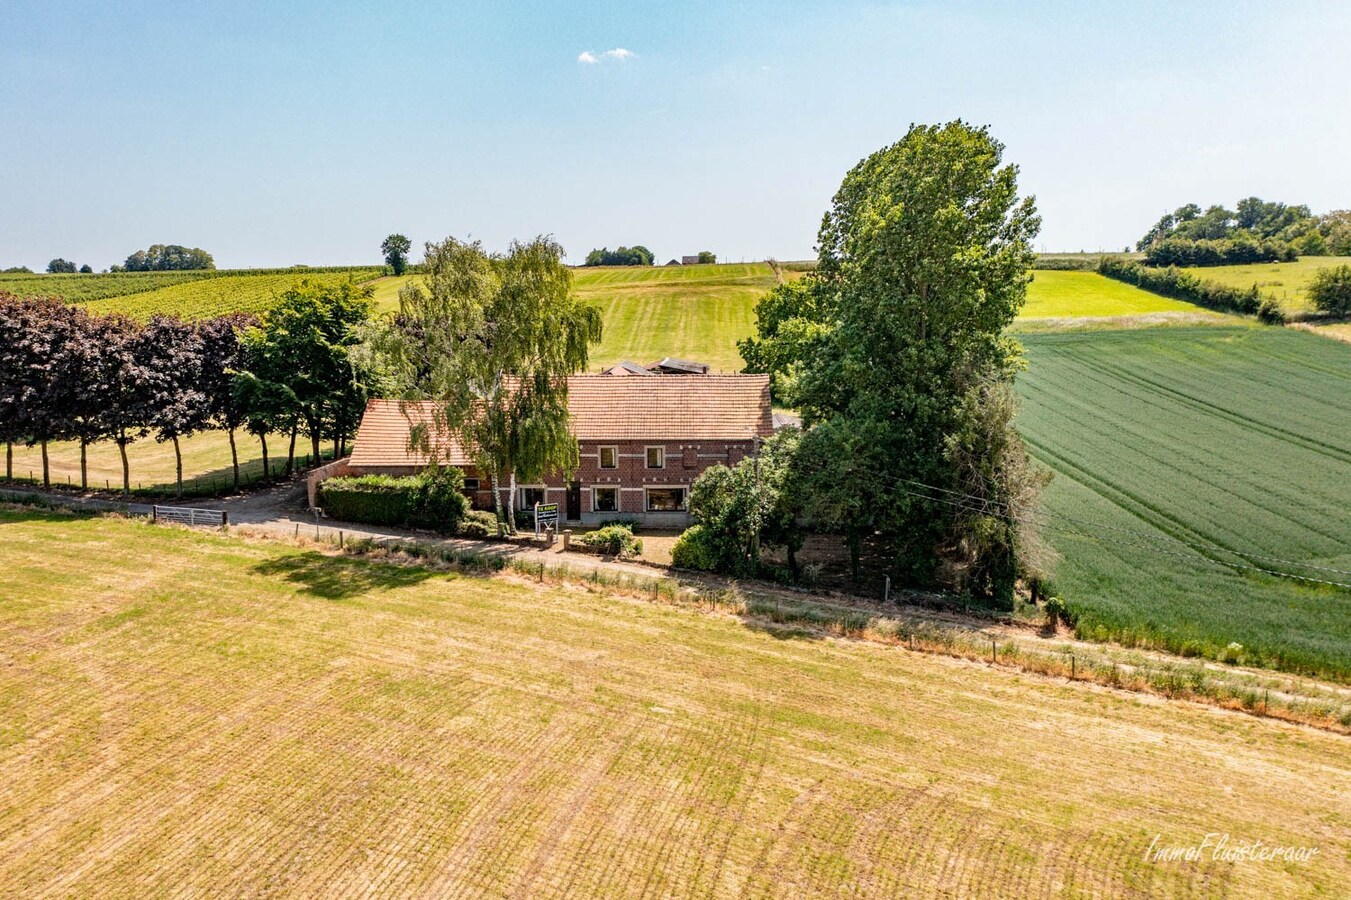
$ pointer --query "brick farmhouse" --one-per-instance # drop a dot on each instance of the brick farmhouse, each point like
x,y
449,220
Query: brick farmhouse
x,y
642,443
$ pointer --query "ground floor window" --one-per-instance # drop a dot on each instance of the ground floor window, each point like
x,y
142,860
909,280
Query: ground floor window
x,y
605,499
665,499
471,485
532,495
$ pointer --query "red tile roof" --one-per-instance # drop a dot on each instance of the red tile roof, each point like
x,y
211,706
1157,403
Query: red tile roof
x,y
604,408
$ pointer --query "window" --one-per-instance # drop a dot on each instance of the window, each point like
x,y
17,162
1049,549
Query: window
x,y
609,457
532,495
605,499
471,485
656,457
665,499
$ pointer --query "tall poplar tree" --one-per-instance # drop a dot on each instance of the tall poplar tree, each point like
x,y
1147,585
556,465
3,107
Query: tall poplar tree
x,y
895,352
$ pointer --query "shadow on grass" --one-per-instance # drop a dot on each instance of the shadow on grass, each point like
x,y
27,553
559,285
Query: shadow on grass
x,y
338,578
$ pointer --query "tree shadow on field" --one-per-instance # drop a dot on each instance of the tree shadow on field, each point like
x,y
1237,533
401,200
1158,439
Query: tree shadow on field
x,y
337,577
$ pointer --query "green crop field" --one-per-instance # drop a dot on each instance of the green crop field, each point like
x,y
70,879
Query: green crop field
x,y
1069,294
208,297
206,462
83,288
1177,449
185,713
1284,281
193,294
691,312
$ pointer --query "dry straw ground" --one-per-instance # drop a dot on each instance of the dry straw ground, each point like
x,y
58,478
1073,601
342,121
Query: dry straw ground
x,y
185,713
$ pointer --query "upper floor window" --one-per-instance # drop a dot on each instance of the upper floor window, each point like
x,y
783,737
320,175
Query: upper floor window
x,y
656,457
609,457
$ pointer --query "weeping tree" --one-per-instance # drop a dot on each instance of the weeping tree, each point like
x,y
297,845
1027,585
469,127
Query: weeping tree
x,y
492,338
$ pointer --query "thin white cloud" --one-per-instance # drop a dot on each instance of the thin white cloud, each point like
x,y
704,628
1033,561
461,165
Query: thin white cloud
x,y
618,54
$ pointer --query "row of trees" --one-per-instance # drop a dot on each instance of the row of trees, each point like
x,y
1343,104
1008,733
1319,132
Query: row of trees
x,y
67,374
1255,231
637,255
1238,251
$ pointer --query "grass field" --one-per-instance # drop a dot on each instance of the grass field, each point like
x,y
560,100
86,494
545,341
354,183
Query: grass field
x,y
192,714
1284,281
1067,294
1218,444
206,462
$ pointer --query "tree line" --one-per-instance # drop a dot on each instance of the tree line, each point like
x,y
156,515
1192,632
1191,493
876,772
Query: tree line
x,y
67,374
637,255
1255,231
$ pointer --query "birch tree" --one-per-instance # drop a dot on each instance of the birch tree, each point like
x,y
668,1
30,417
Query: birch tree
x,y
493,338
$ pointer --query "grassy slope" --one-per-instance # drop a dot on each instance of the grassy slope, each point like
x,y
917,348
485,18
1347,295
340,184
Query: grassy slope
x,y
206,461
1220,436
1284,281
1066,294
188,713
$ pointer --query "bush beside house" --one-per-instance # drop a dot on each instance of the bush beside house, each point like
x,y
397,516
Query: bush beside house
x,y
434,499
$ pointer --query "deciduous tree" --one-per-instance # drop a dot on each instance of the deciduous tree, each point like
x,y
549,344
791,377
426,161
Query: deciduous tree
x,y
395,248
924,262
493,339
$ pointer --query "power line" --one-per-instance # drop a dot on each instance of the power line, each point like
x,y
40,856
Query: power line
x,y
964,503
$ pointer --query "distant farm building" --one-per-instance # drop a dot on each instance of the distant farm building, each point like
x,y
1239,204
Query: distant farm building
x,y
689,260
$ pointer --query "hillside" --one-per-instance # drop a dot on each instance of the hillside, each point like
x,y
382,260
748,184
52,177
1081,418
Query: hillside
x,y
1284,281
1179,449
189,713
187,294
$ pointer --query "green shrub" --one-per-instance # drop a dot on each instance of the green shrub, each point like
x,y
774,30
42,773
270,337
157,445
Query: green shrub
x,y
372,499
434,499
1270,311
441,503
1055,612
478,523
616,540
1330,290
695,549
630,524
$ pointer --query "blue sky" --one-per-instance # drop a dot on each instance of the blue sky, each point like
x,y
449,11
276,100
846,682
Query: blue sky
x,y
280,133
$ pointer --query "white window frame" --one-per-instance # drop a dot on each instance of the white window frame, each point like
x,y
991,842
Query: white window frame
x,y
520,495
595,505
647,456
600,456
684,497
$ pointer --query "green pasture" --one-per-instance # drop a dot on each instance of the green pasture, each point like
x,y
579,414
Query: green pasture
x,y
1285,282
1186,460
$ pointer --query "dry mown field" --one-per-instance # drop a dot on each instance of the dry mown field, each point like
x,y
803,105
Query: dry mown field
x,y
186,713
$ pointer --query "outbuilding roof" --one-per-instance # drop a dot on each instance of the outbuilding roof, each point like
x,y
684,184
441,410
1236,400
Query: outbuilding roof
x,y
604,408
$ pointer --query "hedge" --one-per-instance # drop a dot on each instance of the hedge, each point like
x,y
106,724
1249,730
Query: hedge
x,y
1173,282
434,499
1224,252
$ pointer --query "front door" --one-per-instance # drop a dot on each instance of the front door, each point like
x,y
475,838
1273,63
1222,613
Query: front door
x,y
574,501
